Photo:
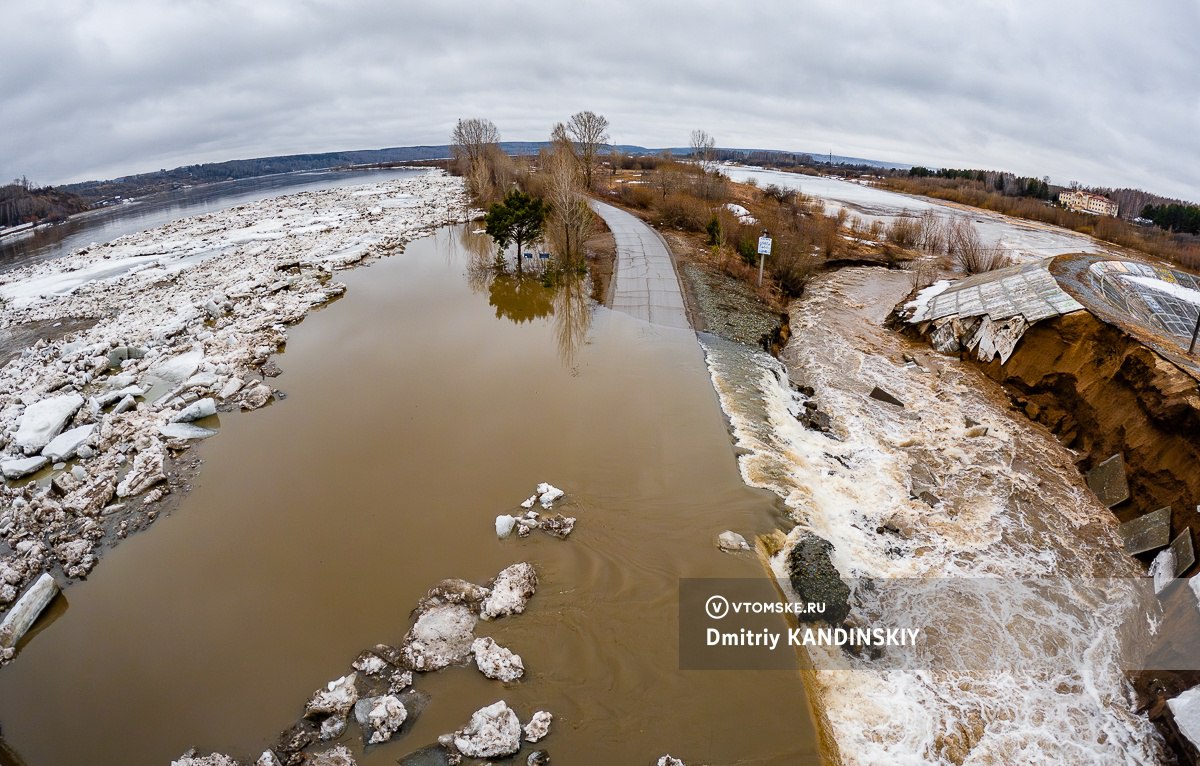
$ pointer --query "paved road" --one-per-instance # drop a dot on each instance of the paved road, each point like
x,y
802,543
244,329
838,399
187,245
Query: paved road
x,y
646,285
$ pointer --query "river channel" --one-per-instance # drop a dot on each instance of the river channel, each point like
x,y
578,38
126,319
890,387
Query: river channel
x,y
422,404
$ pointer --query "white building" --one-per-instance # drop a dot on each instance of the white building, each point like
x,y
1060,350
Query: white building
x,y
1086,202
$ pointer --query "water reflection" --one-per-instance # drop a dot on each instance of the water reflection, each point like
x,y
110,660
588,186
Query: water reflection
x,y
543,288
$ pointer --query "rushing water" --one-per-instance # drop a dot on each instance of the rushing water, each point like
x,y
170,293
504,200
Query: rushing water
x,y
427,401
108,223
1014,679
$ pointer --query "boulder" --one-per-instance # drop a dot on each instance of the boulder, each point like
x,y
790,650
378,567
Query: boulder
x,y
538,726
815,579
884,396
511,591
44,420
493,732
496,661
65,445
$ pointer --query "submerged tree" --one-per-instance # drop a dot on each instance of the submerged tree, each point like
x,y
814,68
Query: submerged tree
x,y
519,219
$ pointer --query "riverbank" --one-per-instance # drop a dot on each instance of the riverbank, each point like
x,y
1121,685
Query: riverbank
x,y
187,319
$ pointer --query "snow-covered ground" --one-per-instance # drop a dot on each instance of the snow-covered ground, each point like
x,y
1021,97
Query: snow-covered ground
x,y
187,316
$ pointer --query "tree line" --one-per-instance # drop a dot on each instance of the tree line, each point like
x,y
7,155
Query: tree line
x,y
21,202
1174,216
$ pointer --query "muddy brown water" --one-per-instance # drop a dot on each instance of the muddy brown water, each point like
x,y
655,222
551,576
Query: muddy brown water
x,y
417,412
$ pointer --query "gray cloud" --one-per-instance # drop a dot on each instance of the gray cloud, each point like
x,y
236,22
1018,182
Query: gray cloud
x,y
1100,92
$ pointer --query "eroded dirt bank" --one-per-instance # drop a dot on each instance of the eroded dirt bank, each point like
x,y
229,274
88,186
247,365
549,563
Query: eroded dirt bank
x,y
1102,392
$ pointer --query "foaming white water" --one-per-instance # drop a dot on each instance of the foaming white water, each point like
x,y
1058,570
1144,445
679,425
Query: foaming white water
x,y
1010,674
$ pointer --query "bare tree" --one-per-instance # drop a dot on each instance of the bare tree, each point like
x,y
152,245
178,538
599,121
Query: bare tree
x,y
471,140
571,220
588,131
704,153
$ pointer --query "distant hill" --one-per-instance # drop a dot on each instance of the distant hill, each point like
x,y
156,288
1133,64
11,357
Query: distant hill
x,y
98,192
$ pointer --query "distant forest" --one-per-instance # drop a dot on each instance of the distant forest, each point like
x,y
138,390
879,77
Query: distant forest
x,y
21,203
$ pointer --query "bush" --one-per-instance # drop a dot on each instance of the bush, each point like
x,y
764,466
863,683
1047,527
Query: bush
x,y
685,212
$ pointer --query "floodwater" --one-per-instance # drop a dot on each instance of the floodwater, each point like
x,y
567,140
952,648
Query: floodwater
x,y
1022,240
427,401
108,223
1004,676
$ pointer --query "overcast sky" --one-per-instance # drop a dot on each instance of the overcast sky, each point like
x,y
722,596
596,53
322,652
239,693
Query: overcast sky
x,y
1102,92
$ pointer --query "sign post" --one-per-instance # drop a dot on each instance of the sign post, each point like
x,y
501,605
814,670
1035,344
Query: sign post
x,y
764,249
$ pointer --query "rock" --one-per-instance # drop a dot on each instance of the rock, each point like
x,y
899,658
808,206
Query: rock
x,y
493,732
815,579
414,701
732,542
538,726
256,396
511,591
504,526
884,396
65,445
441,637
203,408
558,525
380,717
24,613
19,467
496,661
538,758
123,353
547,494
43,420
336,699
146,471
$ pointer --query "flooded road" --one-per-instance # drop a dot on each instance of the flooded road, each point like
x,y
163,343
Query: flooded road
x,y
419,407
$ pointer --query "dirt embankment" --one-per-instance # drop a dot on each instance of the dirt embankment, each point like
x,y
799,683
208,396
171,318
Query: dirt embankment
x,y
1102,392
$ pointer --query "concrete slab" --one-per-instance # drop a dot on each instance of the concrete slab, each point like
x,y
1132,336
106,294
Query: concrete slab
x,y
1108,481
1148,532
644,284
1185,555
